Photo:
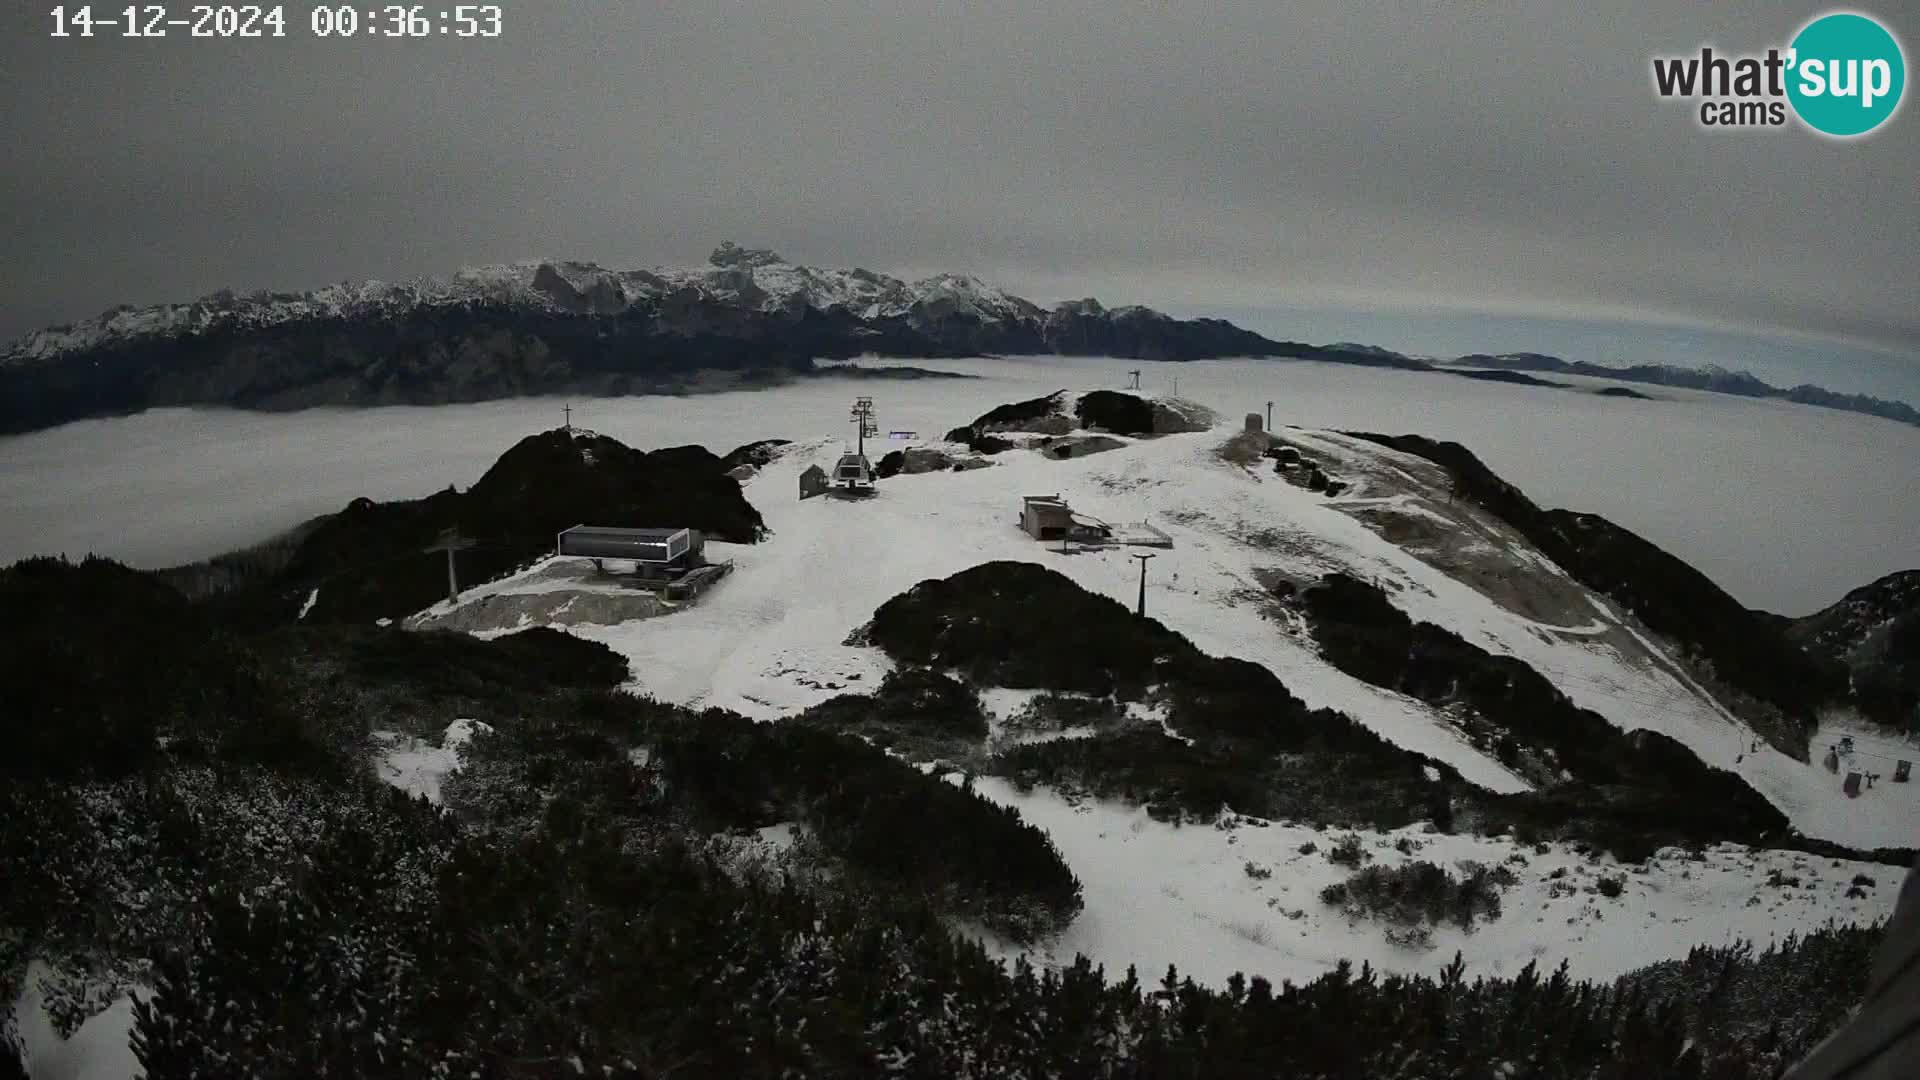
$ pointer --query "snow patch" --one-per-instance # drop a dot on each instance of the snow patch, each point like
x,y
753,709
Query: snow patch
x,y
98,1050
418,767
1159,894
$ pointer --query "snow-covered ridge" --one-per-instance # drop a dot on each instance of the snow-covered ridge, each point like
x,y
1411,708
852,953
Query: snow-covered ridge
x,y
755,279
1245,895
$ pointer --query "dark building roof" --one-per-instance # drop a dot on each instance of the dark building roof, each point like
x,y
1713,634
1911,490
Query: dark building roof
x,y
641,545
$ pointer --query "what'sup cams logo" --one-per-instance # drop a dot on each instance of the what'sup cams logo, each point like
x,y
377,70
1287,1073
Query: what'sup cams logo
x,y
1842,75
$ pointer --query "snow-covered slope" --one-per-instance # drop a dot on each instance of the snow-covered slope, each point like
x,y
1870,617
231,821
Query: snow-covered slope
x,y
829,564
1243,896
768,641
771,640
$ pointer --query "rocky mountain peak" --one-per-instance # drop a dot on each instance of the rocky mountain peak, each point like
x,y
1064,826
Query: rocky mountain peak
x,y
1088,306
732,255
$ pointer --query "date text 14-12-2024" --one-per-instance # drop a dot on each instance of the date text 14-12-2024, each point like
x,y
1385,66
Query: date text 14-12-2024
x,y
255,21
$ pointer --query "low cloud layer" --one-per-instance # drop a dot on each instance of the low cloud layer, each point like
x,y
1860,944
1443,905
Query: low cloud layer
x,y
1486,157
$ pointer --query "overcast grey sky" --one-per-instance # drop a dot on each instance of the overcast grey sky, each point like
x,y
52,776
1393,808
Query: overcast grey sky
x,y
1470,156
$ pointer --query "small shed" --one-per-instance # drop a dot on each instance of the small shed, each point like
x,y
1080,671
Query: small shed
x,y
1253,423
1851,785
813,481
1045,517
1902,770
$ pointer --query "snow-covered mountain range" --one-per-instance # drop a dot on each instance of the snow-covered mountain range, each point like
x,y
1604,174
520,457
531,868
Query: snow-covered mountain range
x,y
752,279
554,327
544,327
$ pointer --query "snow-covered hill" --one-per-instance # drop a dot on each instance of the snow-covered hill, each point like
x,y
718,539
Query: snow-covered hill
x,y
768,642
771,641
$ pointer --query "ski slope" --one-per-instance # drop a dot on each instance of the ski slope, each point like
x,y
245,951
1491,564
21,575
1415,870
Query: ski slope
x,y
777,623
770,640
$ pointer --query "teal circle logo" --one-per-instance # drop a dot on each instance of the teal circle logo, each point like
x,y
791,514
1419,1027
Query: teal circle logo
x,y
1847,74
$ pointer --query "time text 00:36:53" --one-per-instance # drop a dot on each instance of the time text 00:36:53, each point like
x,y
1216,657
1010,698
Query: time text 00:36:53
x,y
251,20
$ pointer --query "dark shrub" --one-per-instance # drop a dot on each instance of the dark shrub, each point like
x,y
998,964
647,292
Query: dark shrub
x,y
12,1066
1420,891
1019,412
100,660
876,811
757,454
1021,625
454,664
1122,414
1174,780
1348,851
909,701
1053,712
